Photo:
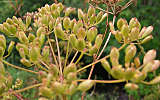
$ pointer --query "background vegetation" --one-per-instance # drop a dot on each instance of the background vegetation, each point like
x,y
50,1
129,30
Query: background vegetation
x,y
147,11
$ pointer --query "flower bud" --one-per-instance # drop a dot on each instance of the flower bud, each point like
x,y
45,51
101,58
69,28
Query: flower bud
x,y
54,70
1,28
69,68
117,72
99,40
34,53
26,62
106,65
73,40
93,50
60,7
58,87
66,23
25,47
93,19
42,98
2,50
80,14
134,34
129,73
134,23
99,16
22,37
131,86
85,85
46,92
15,20
31,37
85,18
114,56
125,31
53,7
46,53
28,21
151,66
40,31
137,62
72,88
72,23
80,44
142,32
139,76
156,80
59,32
55,13
149,56
118,36
13,29
81,34
77,26
51,24
147,31
2,41
2,69
91,11
10,47
91,34
130,52
121,22
146,39
111,26
22,53
9,21
45,19
42,39
69,10
71,76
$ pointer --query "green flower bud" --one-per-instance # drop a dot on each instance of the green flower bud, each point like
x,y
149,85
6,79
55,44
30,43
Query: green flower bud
x,y
31,37
85,18
72,23
45,19
134,23
147,31
149,56
2,50
58,87
91,34
2,69
26,62
142,32
69,10
114,56
59,32
134,34
106,65
118,36
121,22
69,68
66,23
22,53
81,34
146,39
137,62
151,66
2,41
71,76
93,19
91,11
111,26
9,21
13,29
80,44
51,24
53,7
46,53
130,52
131,86
99,16
93,50
125,31
40,31
73,40
139,76
1,28
80,14
42,98
72,88
60,7
117,72
22,37
34,53
28,21
103,17
156,80
42,39
129,73
46,92
10,47
54,70
25,47
85,85
77,26
99,40
55,13
15,20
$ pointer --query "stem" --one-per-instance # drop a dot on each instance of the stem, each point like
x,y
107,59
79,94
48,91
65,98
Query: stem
x,y
147,83
44,64
41,67
103,81
54,56
24,89
79,57
74,57
20,68
66,54
59,56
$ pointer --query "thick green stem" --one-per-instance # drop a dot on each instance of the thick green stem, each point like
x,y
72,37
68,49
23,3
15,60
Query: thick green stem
x,y
79,57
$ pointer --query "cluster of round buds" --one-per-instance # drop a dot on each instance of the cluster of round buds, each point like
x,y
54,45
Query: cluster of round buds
x,y
131,32
134,71
53,84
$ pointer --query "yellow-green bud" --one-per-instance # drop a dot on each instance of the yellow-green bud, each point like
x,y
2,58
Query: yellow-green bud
x,y
80,14
53,7
151,66
10,47
2,50
99,16
15,20
129,73
142,32
111,26
137,62
72,23
91,11
31,37
34,53
73,40
134,34
118,36
93,50
71,76
69,10
130,52
66,23
114,56
26,62
51,24
134,23
54,70
156,80
149,56
22,53
81,33
147,31
118,72
60,6
85,85
9,21
55,13
121,22
58,87
22,37
2,69
106,65
69,68
125,31
80,44
28,21
25,47
139,76
1,28
146,39
93,19
91,34
77,26
72,88
42,98
45,19
59,32
2,41
40,31
45,53
99,40
131,86
46,92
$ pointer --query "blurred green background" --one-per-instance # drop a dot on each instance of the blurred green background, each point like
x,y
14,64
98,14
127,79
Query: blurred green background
x,y
146,11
